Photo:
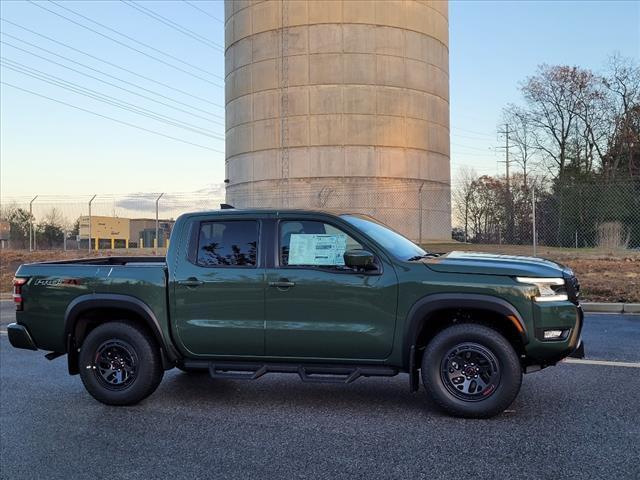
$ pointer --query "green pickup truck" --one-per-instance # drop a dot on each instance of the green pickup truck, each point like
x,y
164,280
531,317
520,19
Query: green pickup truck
x,y
332,298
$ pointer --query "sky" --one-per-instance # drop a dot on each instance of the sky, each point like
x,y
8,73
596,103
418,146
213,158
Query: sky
x,y
55,140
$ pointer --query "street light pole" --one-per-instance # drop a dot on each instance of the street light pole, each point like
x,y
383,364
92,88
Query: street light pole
x,y
90,201
32,239
157,225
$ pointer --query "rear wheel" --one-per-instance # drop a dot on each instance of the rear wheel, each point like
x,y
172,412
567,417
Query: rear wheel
x,y
471,371
120,363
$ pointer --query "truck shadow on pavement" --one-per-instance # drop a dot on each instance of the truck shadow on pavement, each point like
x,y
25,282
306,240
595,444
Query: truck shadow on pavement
x,y
282,390
540,393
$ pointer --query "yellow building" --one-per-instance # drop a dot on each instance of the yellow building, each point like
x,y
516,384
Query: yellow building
x,y
108,232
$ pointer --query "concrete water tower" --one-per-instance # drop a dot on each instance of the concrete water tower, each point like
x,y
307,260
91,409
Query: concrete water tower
x,y
341,105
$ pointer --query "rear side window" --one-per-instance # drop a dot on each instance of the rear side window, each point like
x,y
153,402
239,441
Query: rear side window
x,y
228,243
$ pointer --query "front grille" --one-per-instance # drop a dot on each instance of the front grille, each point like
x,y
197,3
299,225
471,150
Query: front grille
x,y
573,289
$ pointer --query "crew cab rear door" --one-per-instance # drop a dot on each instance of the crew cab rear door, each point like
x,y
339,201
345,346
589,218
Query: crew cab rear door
x,y
317,308
219,287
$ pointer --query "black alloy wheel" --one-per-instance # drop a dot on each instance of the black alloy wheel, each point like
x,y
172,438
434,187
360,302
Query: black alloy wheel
x,y
116,364
470,372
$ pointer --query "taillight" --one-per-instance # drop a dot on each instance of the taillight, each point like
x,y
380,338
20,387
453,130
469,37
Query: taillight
x,y
18,282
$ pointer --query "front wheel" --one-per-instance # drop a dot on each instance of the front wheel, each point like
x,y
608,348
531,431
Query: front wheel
x,y
471,371
120,363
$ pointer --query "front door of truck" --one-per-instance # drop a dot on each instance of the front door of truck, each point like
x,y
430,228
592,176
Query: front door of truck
x,y
219,288
318,308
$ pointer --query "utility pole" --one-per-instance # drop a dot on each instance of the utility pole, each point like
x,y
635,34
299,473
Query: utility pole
x,y
509,205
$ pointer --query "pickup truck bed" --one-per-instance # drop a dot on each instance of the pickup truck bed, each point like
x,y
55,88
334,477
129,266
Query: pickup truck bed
x,y
56,288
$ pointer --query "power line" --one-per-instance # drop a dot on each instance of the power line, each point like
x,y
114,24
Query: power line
x,y
470,147
473,131
56,81
470,137
146,45
104,81
193,5
59,82
171,24
106,62
199,77
111,118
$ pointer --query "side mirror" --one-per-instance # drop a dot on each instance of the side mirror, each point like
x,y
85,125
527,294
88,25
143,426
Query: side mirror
x,y
358,259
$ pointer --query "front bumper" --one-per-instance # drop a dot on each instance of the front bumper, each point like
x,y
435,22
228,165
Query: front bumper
x,y
19,337
565,316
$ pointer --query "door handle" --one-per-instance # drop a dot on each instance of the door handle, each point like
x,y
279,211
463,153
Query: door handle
x,y
282,284
191,282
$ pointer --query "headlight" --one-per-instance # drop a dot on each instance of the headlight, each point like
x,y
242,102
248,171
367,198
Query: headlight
x,y
549,289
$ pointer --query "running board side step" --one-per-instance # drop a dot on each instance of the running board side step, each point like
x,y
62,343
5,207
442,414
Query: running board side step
x,y
307,372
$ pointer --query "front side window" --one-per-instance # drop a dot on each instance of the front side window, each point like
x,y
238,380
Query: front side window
x,y
400,246
228,243
313,243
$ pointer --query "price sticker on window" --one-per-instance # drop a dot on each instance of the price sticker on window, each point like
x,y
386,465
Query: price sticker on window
x,y
317,249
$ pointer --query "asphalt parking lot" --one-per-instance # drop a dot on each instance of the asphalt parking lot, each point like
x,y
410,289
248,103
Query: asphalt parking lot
x,y
577,420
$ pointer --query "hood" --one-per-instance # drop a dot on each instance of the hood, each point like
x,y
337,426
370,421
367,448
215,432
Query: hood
x,y
493,264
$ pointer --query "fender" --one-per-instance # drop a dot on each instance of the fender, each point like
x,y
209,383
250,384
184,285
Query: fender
x,y
96,301
439,301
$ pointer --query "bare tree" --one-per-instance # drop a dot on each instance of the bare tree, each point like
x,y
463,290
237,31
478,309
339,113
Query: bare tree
x,y
554,97
622,80
521,138
462,195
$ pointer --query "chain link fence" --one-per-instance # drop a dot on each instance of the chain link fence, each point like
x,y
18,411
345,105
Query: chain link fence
x,y
584,215
581,216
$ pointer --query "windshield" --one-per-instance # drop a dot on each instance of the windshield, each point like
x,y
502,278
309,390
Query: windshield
x,y
399,246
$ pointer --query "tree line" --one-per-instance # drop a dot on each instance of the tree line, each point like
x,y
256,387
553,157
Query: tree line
x,y
574,140
48,232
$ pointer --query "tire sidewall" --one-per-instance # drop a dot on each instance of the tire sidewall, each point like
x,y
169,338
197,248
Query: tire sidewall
x,y
508,362
148,373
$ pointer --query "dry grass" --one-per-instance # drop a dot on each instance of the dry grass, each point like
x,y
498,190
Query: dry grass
x,y
605,275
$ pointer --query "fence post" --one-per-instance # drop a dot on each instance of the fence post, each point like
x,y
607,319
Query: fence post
x,y
420,213
31,231
89,242
64,240
533,200
157,243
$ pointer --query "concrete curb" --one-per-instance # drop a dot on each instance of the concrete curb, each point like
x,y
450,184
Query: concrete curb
x,y
598,307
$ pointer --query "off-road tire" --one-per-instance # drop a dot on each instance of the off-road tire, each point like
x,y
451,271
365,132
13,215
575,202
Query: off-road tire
x,y
136,358
440,358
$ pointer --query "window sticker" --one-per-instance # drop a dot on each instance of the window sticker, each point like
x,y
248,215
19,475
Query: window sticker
x,y
317,249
